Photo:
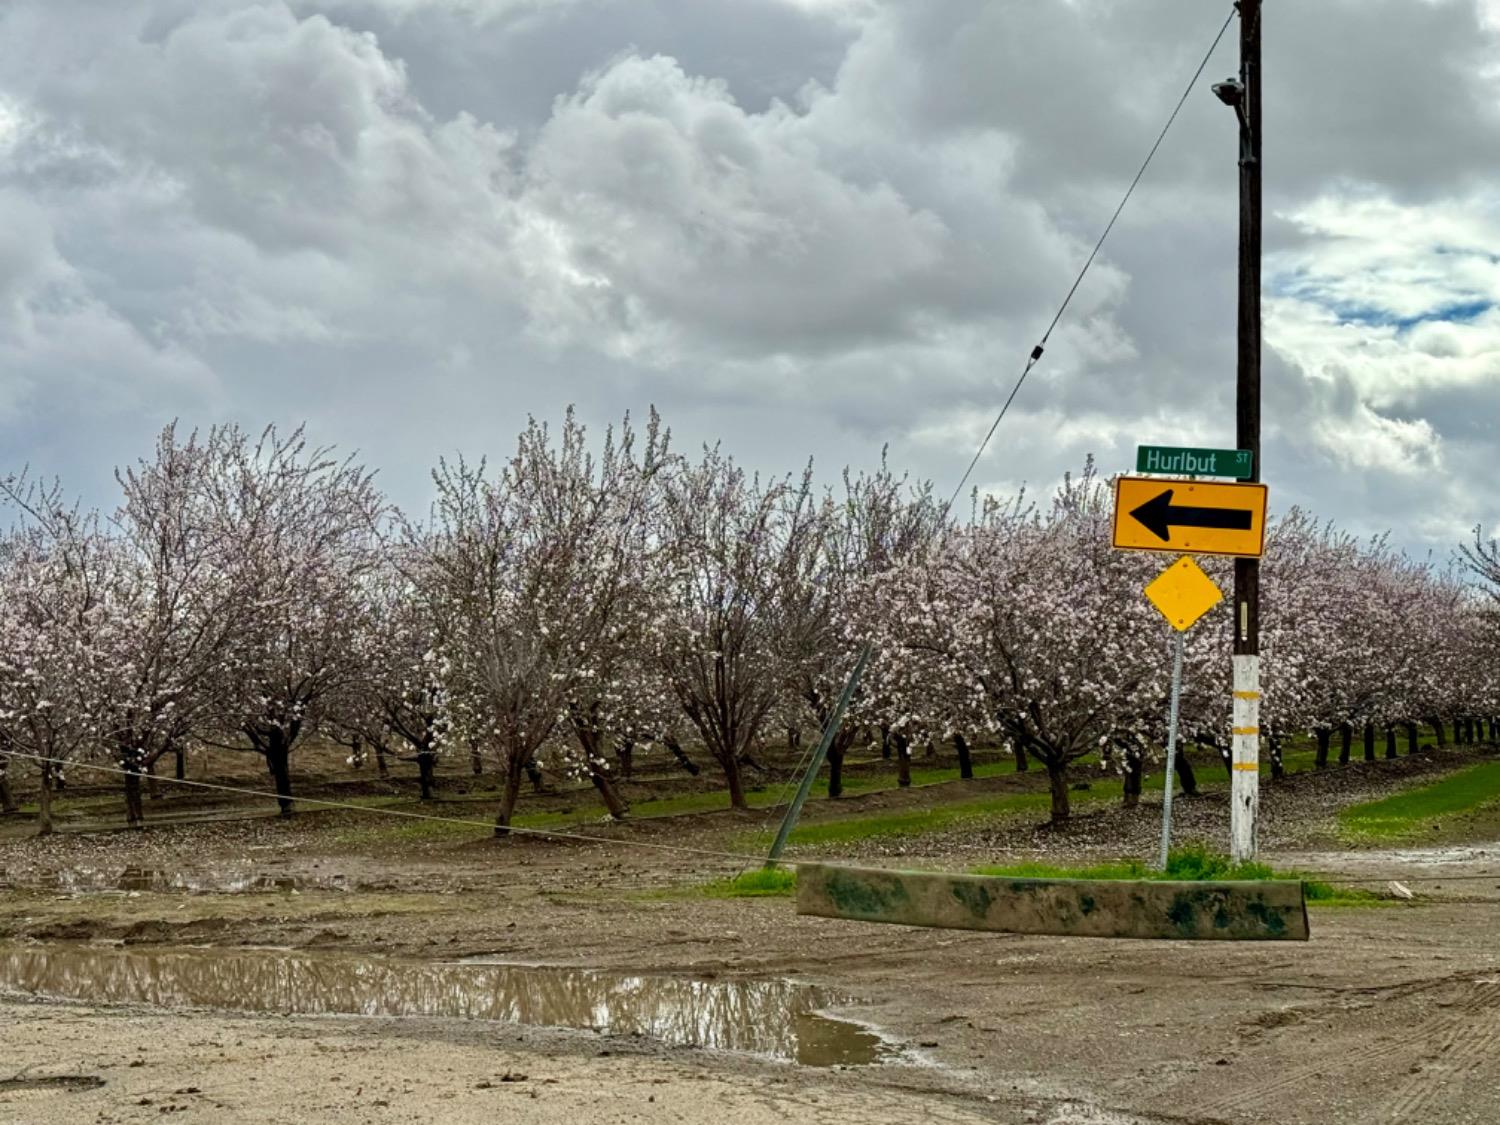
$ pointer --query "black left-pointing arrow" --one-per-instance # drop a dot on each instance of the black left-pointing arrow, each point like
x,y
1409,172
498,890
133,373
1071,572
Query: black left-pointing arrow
x,y
1159,515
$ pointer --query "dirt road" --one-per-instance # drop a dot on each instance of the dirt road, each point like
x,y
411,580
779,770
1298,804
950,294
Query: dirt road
x,y
1389,1014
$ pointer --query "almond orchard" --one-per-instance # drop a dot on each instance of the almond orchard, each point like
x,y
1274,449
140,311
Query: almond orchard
x,y
587,601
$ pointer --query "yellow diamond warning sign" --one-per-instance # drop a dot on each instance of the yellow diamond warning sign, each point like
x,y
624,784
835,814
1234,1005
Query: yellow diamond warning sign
x,y
1153,514
1183,593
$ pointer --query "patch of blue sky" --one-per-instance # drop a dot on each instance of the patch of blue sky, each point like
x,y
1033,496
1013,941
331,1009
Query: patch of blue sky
x,y
1458,312
1302,285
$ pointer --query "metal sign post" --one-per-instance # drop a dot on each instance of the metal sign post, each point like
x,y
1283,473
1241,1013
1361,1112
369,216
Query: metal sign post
x,y
1166,802
1183,594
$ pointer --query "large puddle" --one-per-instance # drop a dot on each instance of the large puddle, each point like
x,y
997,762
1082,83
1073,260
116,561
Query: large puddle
x,y
777,1018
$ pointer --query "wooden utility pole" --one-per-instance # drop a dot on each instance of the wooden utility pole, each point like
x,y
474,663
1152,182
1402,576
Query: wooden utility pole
x,y
1245,784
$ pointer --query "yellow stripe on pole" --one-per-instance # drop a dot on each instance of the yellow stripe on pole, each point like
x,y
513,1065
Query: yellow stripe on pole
x,y
1248,767
1247,695
1246,730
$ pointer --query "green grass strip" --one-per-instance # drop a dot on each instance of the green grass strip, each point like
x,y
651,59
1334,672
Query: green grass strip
x,y
917,822
1405,815
1190,865
763,882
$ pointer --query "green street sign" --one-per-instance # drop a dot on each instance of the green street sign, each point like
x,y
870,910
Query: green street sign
x,y
1177,461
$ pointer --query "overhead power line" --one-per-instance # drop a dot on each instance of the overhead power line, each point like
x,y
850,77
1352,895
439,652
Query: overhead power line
x,y
1036,352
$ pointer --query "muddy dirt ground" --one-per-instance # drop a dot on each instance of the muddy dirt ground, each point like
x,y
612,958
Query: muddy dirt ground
x,y
1390,1013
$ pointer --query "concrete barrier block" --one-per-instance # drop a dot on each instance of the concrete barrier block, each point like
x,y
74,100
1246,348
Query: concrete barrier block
x,y
1268,910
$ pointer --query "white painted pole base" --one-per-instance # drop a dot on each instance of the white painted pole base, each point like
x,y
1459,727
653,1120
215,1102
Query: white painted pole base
x,y
1244,781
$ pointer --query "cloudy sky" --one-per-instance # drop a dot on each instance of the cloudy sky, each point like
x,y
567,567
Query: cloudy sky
x,y
805,227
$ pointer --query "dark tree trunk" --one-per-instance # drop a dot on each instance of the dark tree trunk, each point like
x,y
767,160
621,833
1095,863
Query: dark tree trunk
x,y
44,803
835,771
1324,737
931,752
534,774
1369,742
278,761
1494,731
965,763
1437,730
508,797
1022,762
680,756
356,753
1390,742
425,762
179,767
1411,738
1346,741
1134,767
903,760
736,781
793,738
135,809
613,802
153,787
476,760
1057,775
1278,766
382,767
1186,775
885,742
625,752
588,738
7,796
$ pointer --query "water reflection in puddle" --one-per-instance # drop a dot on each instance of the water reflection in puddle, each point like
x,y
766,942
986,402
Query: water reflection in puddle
x,y
106,880
778,1018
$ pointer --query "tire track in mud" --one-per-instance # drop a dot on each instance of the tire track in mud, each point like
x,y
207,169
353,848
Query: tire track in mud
x,y
1482,1006
1468,1043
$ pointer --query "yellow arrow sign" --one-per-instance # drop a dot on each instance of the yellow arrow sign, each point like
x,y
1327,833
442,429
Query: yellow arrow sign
x,y
1183,593
1152,514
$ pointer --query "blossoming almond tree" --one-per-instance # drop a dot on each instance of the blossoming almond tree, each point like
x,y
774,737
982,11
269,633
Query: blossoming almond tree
x,y
533,571
300,527
174,611
1035,611
732,546
397,693
57,566
880,521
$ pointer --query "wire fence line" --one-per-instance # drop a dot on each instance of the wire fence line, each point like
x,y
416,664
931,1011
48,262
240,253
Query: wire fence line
x,y
645,845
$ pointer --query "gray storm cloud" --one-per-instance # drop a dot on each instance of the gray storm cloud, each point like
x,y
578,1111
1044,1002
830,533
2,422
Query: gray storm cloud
x,y
805,228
